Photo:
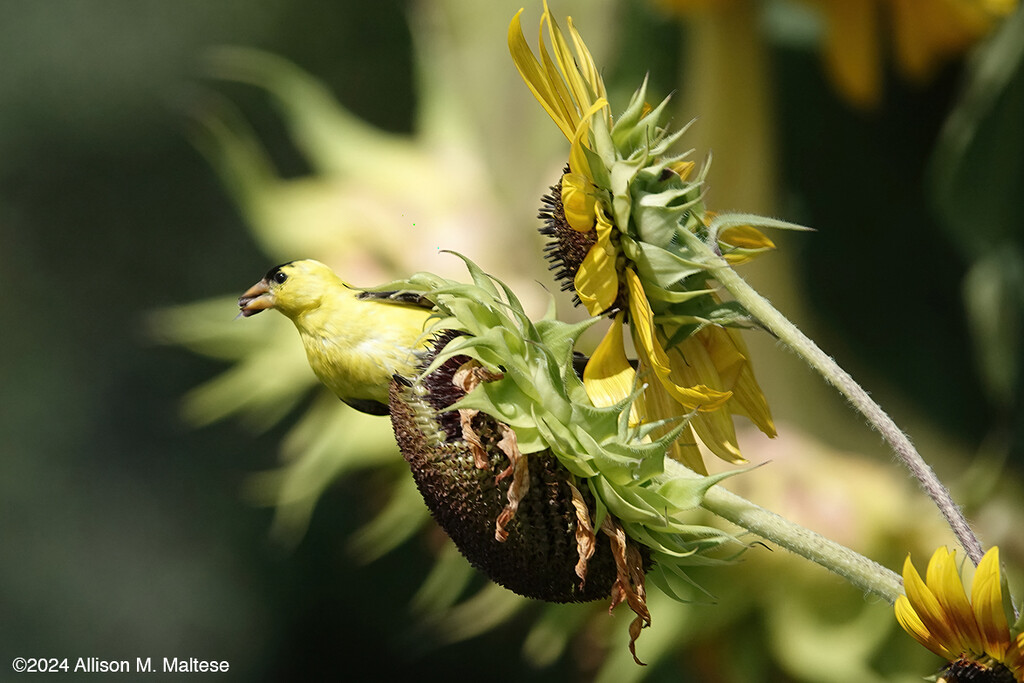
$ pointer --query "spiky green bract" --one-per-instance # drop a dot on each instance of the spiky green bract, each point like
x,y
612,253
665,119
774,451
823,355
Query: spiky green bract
x,y
658,211
541,397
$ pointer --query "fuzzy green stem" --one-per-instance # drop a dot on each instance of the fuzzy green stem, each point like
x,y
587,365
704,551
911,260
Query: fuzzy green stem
x,y
787,332
862,572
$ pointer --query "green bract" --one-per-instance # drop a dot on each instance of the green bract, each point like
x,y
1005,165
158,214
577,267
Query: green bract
x,y
543,399
658,213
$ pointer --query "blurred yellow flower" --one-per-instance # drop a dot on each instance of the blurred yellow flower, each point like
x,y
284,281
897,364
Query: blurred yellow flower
x,y
971,634
924,36
921,36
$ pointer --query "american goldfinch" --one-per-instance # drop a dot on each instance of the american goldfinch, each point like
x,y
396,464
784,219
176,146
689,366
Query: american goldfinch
x,y
356,341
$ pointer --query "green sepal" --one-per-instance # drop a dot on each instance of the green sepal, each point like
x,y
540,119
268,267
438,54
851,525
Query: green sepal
x,y
628,503
626,122
687,494
655,292
730,220
622,173
660,266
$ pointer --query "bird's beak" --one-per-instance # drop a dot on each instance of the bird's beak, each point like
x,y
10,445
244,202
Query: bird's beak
x,y
257,298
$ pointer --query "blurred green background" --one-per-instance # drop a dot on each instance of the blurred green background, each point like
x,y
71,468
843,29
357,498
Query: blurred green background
x,y
124,530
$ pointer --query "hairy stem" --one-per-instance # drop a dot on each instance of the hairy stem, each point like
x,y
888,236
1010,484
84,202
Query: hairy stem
x,y
862,572
781,327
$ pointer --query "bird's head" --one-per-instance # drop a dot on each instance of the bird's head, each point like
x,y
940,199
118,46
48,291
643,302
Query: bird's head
x,y
292,288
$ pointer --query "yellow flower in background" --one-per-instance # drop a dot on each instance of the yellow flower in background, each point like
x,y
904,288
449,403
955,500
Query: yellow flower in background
x,y
920,36
617,220
973,633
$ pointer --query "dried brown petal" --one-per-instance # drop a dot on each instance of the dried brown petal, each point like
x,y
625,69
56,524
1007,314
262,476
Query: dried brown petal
x,y
472,439
519,469
629,581
468,377
539,556
586,541
470,374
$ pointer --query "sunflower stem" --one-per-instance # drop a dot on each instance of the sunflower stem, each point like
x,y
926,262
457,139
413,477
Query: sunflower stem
x,y
782,328
862,572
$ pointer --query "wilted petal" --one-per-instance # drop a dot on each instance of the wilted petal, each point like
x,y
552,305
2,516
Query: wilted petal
x,y
645,337
747,398
656,404
692,365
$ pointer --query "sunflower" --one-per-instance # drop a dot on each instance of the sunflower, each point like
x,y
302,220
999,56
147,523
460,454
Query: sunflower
x,y
972,634
923,38
621,220
859,35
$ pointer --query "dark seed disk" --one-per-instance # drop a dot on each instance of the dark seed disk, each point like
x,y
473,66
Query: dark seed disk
x,y
539,556
566,247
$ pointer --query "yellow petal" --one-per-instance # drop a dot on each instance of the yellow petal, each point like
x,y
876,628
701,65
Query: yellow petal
x,y
987,601
555,77
853,53
656,404
912,624
943,578
1014,658
693,366
578,162
682,168
643,323
578,202
597,281
685,450
649,346
726,351
736,240
608,377
745,237
586,63
550,92
924,39
583,93
747,398
928,609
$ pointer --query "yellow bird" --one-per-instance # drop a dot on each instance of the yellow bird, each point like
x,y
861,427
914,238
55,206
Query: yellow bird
x,y
356,341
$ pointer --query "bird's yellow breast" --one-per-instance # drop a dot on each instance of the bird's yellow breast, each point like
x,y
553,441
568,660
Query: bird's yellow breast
x,y
355,346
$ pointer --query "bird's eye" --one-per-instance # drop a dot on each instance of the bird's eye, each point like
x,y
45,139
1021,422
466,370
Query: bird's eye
x,y
280,277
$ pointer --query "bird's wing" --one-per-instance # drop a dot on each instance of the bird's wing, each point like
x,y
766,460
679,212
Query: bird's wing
x,y
397,296
367,405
